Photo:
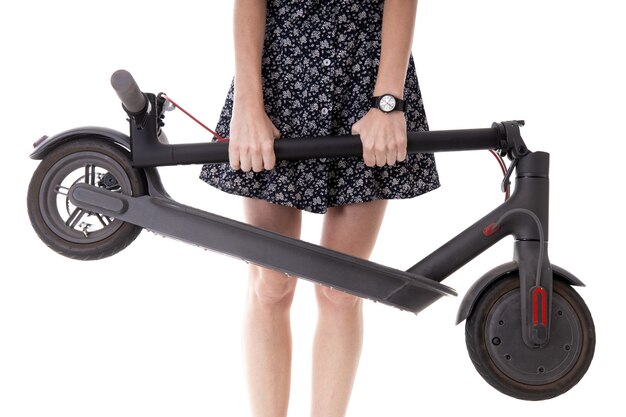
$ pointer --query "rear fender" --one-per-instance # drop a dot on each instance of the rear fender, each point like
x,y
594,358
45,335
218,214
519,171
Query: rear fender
x,y
44,145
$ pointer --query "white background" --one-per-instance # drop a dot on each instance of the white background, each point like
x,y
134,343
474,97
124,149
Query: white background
x,y
155,330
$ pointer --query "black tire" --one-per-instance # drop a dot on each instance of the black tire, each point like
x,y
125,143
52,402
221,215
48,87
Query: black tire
x,y
493,337
48,205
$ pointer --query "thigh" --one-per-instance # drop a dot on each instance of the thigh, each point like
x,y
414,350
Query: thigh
x,y
276,218
269,285
353,228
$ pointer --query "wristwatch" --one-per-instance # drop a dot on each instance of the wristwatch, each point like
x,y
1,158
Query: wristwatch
x,y
388,103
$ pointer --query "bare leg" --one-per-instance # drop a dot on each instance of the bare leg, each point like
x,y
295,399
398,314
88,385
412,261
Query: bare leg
x,y
350,229
267,328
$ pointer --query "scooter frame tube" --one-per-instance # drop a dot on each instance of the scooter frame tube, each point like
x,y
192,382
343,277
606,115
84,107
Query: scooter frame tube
x,y
150,147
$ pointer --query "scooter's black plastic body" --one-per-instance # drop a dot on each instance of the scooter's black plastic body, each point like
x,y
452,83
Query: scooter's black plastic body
x,y
524,216
412,290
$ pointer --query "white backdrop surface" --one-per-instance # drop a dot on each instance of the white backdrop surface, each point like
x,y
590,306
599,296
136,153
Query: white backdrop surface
x,y
155,330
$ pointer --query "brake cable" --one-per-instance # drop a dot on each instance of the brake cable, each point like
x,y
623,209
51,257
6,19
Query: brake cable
x,y
219,137
505,182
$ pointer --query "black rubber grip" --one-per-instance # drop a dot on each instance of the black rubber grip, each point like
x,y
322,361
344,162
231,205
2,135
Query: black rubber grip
x,y
128,91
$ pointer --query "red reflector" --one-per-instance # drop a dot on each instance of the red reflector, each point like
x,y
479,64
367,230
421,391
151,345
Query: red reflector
x,y
491,229
537,291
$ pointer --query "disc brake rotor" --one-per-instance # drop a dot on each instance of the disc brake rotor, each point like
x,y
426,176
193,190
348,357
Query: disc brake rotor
x,y
88,221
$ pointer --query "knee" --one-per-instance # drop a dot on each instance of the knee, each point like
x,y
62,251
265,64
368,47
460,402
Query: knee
x,y
271,288
335,299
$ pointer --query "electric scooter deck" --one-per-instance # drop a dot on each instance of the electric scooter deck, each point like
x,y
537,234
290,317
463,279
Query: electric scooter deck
x,y
295,257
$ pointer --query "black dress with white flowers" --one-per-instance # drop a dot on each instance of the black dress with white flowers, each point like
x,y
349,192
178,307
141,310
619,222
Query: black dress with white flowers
x,y
319,66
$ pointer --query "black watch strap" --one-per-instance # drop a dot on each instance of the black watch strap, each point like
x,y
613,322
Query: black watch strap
x,y
400,103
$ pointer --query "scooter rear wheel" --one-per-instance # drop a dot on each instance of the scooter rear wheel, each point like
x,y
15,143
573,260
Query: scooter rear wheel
x,y
67,229
495,346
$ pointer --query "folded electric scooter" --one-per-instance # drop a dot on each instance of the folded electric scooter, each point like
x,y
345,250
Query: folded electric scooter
x,y
528,332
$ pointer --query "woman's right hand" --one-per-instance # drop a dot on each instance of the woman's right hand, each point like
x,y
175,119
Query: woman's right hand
x,y
251,139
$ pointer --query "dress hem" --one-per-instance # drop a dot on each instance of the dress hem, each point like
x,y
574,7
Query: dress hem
x,y
369,198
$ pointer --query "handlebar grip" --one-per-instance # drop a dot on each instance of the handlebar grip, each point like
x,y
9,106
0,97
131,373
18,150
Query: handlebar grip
x,y
128,91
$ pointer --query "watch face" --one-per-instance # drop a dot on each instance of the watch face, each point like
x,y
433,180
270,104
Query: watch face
x,y
387,103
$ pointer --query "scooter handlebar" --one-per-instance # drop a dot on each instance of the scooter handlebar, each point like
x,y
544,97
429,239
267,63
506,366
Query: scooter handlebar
x,y
128,91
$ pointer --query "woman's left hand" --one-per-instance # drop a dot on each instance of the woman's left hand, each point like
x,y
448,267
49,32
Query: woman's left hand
x,y
384,137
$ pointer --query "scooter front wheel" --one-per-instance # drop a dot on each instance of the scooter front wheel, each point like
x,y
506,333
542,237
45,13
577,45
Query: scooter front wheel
x,y
70,230
493,336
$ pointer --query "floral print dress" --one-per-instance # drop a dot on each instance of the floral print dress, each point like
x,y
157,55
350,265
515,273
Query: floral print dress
x,y
319,65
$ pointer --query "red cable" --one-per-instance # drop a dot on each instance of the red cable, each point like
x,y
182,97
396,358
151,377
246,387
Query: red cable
x,y
219,137
506,195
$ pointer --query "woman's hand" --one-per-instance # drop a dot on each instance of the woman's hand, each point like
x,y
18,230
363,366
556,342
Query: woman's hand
x,y
383,136
252,135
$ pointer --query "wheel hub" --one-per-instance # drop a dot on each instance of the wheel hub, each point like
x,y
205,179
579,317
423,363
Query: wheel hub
x,y
533,366
68,221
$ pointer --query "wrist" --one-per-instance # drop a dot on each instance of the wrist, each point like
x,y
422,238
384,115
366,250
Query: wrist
x,y
388,103
249,102
248,90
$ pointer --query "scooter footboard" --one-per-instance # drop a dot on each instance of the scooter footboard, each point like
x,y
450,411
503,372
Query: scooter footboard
x,y
294,257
